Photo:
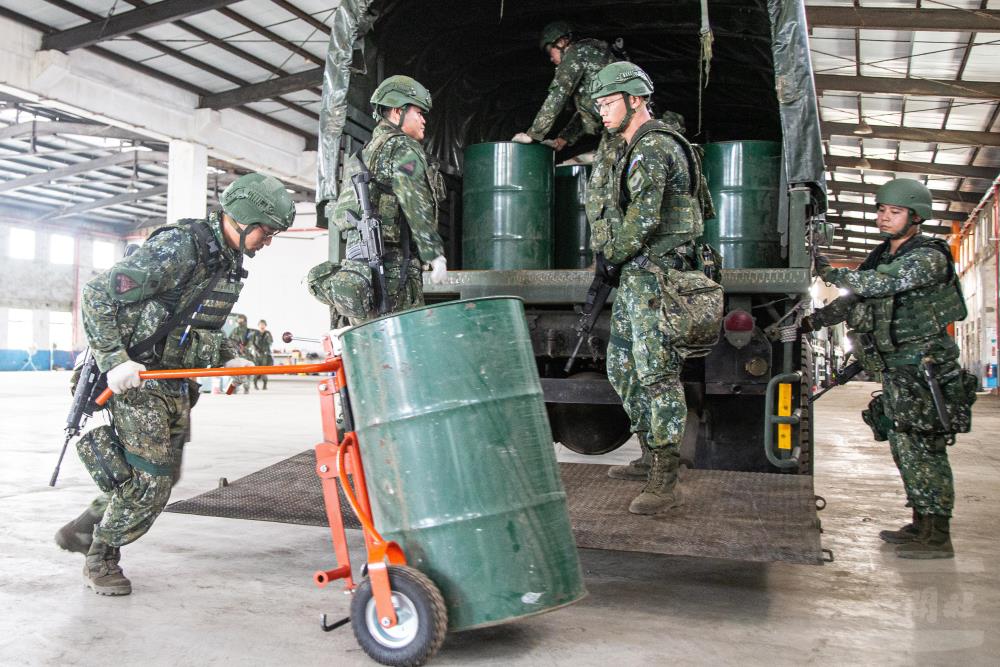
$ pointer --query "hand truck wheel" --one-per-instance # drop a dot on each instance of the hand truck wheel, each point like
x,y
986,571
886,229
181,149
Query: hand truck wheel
x,y
422,619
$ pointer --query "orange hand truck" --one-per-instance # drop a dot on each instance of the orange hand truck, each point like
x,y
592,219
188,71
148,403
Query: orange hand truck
x,y
397,613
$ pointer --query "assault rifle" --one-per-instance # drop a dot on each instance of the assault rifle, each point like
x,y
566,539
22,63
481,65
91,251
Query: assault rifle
x,y
372,247
88,387
843,376
930,374
606,278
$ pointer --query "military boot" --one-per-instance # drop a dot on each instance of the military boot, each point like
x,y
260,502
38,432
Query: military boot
x,y
907,533
77,535
102,572
660,493
933,540
637,469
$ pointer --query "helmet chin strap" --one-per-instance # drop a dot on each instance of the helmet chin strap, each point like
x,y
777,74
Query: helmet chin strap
x,y
402,116
237,273
911,222
629,112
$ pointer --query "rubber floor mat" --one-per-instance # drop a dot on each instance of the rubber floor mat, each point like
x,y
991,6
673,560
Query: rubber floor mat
x,y
287,492
733,515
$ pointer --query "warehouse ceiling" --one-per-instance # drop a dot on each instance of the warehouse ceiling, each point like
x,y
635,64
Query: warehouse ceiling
x,y
58,169
902,92
115,180
910,94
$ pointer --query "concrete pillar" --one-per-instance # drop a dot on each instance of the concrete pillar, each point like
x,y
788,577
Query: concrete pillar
x,y
40,329
3,328
42,246
84,272
187,181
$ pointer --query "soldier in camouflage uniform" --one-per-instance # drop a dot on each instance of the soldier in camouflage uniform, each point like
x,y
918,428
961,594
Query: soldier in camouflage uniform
x,y
176,290
405,191
902,299
261,343
240,337
645,211
577,63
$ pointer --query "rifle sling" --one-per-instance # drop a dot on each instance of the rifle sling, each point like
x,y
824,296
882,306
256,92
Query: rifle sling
x,y
404,240
164,329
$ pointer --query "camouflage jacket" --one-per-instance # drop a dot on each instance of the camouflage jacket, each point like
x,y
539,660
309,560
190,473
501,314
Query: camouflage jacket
x,y
574,77
639,197
404,187
902,302
261,342
127,303
241,338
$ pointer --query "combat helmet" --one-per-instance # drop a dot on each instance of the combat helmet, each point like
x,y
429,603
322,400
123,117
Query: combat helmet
x,y
622,77
907,193
399,92
256,199
552,32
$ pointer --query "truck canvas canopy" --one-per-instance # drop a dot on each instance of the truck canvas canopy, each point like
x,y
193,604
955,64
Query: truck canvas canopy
x,y
481,61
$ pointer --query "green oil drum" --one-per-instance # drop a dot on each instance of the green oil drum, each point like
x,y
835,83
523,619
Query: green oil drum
x,y
507,206
459,458
572,233
744,178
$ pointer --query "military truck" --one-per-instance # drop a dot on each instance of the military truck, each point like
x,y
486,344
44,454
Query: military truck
x,y
739,73
749,102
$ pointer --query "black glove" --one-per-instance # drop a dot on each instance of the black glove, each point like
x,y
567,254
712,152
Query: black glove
x,y
821,264
806,325
610,273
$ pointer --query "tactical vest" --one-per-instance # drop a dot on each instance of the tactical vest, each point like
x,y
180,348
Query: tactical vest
x,y
187,345
681,219
916,314
395,228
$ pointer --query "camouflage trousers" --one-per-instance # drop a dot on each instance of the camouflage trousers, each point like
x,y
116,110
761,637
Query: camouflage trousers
x,y
151,423
99,504
923,465
261,360
643,366
922,458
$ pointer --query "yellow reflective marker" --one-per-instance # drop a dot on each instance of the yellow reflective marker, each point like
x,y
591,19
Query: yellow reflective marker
x,y
784,410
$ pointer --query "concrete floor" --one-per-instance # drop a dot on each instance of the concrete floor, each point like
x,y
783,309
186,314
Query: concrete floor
x,y
217,591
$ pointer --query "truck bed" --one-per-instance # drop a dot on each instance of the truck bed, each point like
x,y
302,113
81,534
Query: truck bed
x,y
731,515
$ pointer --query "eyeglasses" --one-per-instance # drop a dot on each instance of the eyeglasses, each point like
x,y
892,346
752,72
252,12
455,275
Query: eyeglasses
x,y
604,106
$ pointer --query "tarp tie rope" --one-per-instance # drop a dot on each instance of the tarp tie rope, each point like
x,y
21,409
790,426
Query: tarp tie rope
x,y
705,59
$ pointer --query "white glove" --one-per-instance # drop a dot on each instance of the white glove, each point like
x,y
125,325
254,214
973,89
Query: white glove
x,y
335,342
125,376
522,138
439,269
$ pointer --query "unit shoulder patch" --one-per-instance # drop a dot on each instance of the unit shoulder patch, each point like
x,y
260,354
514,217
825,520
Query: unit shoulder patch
x,y
131,285
124,283
408,161
637,177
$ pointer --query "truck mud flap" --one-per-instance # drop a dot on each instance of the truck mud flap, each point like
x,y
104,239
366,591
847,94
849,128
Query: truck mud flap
x,y
731,515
